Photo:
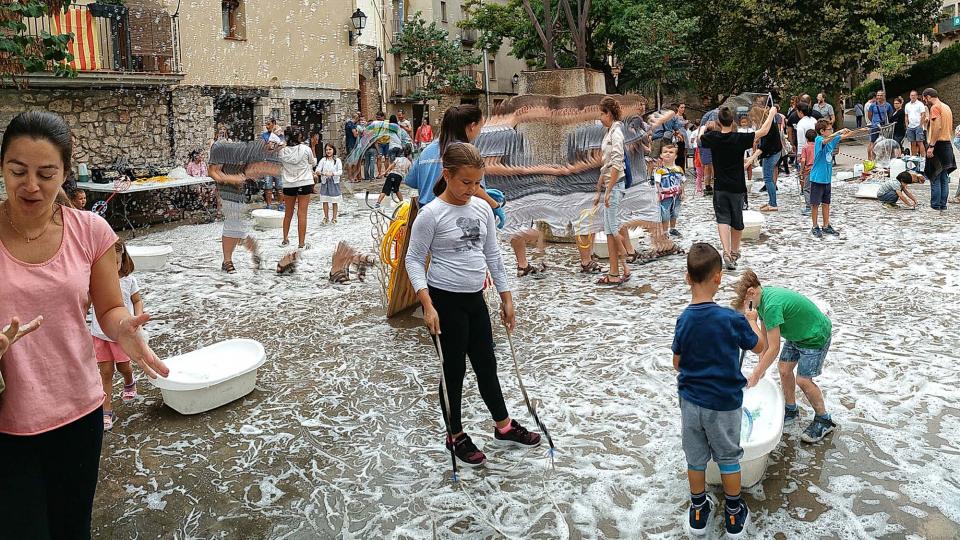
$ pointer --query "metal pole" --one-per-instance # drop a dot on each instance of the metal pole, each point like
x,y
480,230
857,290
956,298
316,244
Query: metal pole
x,y
486,80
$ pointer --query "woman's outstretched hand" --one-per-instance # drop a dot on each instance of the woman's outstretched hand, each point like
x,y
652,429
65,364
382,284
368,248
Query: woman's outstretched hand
x,y
131,341
13,332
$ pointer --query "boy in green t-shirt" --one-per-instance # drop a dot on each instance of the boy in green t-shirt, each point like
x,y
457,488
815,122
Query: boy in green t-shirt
x,y
806,331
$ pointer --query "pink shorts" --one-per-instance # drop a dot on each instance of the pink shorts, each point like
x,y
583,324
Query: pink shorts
x,y
108,351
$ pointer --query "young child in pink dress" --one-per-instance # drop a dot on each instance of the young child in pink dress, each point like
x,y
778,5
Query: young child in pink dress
x,y
108,352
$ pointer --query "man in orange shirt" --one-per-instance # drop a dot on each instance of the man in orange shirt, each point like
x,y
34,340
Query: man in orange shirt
x,y
940,159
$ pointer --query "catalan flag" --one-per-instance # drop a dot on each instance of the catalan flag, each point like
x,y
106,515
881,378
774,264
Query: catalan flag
x,y
84,46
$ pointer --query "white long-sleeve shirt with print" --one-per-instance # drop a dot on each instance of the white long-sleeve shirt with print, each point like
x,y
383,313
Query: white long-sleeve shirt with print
x,y
328,166
462,244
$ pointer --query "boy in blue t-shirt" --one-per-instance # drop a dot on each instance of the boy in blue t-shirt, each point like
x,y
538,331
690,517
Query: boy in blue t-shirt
x,y
706,352
821,175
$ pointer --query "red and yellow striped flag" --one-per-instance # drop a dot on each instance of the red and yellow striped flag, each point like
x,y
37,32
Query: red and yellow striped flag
x,y
84,46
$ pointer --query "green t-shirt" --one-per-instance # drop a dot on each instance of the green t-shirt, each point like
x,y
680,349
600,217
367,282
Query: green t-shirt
x,y
799,319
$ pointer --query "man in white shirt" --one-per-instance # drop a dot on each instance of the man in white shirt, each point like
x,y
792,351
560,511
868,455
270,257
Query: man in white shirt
x,y
807,121
916,113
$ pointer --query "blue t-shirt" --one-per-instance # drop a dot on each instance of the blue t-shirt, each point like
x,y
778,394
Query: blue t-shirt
x,y
425,172
880,115
708,340
822,171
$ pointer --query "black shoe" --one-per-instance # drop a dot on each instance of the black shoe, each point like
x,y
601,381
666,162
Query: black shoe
x,y
708,190
736,523
698,521
816,232
467,453
829,230
517,436
818,429
675,233
763,189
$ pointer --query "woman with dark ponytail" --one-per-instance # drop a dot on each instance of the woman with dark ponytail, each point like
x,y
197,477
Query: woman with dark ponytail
x,y
461,123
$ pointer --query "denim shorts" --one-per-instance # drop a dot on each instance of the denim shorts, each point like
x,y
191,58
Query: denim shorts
x,y
384,149
874,133
669,209
271,182
888,197
611,214
809,361
915,134
706,434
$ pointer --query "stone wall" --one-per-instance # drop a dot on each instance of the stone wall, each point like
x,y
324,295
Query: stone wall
x,y
370,95
106,124
335,115
192,122
948,89
562,82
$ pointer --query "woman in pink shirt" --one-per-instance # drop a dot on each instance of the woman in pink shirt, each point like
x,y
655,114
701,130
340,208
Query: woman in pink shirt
x,y
54,260
424,134
195,164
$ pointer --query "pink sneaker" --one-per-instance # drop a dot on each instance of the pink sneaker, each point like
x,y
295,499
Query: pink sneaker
x,y
129,392
108,418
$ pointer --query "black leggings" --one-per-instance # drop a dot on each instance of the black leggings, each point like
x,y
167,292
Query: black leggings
x,y
465,331
47,481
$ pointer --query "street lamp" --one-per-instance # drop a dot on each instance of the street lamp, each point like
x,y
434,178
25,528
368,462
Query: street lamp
x,y
378,62
359,22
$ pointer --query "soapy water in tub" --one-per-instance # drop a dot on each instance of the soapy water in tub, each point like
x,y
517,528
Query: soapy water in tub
x,y
343,437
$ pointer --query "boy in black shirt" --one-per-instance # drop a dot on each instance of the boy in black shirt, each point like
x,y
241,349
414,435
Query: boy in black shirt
x,y
730,187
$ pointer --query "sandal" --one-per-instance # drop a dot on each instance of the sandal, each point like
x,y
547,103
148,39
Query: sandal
x,y
735,255
228,267
129,392
341,277
632,257
290,265
108,419
647,257
537,271
608,279
285,243
593,267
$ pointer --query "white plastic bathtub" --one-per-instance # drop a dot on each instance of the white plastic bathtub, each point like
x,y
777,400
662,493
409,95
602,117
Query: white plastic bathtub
x,y
867,191
212,376
268,219
752,224
149,257
764,405
600,243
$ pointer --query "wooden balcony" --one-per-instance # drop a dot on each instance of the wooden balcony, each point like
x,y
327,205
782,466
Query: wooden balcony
x,y
137,44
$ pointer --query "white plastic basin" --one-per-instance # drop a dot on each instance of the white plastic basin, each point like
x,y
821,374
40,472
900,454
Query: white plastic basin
x,y
149,257
845,175
601,250
752,224
867,191
215,375
268,219
759,434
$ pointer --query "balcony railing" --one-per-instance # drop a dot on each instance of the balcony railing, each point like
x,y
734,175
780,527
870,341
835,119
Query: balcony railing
x,y
403,86
469,36
476,75
949,25
115,39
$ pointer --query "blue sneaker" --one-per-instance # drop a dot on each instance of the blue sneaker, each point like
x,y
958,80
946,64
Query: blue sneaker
x,y
789,417
818,429
282,207
698,521
736,523
817,232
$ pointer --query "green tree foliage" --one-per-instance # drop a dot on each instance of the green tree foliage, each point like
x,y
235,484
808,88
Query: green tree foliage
x,y
20,52
885,49
918,76
426,50
722,46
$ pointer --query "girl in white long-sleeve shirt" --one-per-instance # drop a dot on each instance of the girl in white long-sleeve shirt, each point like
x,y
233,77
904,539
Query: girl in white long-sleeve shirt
x,y
297,162
459,232
329,171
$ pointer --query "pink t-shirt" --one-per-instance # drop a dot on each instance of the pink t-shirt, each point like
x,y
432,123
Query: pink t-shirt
x,y
51,375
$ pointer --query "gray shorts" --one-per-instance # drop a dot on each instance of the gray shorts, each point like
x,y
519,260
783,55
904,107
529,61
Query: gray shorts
x,y
611,214
915,134
234,221
706,434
